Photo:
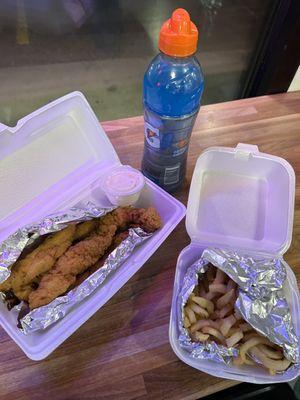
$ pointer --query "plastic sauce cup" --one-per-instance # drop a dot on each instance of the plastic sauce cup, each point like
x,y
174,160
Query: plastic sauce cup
x,y
123,185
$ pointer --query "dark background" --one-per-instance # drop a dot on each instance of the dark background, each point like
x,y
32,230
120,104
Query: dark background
x,y
51,47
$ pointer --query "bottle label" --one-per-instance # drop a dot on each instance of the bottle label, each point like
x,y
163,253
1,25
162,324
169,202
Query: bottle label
x,y
152,136
172,143
171,175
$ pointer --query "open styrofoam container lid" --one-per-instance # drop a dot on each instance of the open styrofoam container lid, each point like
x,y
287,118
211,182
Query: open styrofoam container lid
x,y
59,142
243,199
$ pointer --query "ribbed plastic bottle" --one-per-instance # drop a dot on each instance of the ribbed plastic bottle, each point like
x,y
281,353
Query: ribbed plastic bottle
x,y
172,90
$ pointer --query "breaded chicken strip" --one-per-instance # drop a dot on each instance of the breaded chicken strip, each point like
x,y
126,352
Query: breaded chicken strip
x,y
84,229
118,239
27,272
39,261
75,261
146,218
81,256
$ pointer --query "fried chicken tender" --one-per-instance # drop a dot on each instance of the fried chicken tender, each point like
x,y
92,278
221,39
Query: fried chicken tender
x,y
6,285
118,239
148,218
38,262
81,256
23,292
84,229
75,261
26,273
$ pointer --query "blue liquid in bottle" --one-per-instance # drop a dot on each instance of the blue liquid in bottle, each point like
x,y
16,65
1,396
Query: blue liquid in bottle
x,y
172,91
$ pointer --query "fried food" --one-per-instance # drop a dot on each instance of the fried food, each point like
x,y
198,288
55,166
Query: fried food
x,y
226,324
27,272
252,342
81,256
38,262
201,323
118,239
84,229
146,218
269,352
75,261
215,333
204,303
201,337
212,317
64,259
234,338
271,364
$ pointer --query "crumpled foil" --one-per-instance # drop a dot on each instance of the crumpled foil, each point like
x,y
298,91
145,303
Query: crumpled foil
x,y
12,247
42,317
261,301
206,351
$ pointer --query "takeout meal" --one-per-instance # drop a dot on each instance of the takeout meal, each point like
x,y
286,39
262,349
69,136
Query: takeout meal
x,y
64,259
209,315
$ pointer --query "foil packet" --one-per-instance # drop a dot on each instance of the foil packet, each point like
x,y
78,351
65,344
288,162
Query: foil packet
x,y
261,302
12,247
10,250
42,317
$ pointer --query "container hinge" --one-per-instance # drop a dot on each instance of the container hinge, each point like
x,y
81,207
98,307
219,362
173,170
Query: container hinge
x,y
244,151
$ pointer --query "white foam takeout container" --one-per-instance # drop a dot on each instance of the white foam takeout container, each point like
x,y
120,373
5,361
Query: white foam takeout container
x,y
244,200
53,159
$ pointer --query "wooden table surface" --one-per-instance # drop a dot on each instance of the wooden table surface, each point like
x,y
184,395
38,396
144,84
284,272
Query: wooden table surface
x,y
123,351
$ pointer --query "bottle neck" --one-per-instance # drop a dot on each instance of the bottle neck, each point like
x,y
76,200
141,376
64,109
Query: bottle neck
x,y
179,60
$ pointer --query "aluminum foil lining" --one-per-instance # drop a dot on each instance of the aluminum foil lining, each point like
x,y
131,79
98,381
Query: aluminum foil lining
x,y
12,247
205,351
261,301
43,317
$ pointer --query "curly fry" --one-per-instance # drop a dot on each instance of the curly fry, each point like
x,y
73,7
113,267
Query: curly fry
x,y
220,277
225,299
201,337
277,365
186,322
211,295
249,335
238,361
245,327
232,331
269,352
234,339
215,333
190,314
226,324
248,361
199,310
224,311
254,341
217,288
204,303
202,323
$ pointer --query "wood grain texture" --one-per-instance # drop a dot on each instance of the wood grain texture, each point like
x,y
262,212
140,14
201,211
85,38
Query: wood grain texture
x,y
123,352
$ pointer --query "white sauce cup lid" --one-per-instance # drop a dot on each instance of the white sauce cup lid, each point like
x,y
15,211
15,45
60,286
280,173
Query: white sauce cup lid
x,y
123,181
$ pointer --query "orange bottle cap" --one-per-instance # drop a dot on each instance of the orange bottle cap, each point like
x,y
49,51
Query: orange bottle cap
x,y
178,35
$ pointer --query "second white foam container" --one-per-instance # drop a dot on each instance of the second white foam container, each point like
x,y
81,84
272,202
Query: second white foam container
x,y
241,199
53,159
